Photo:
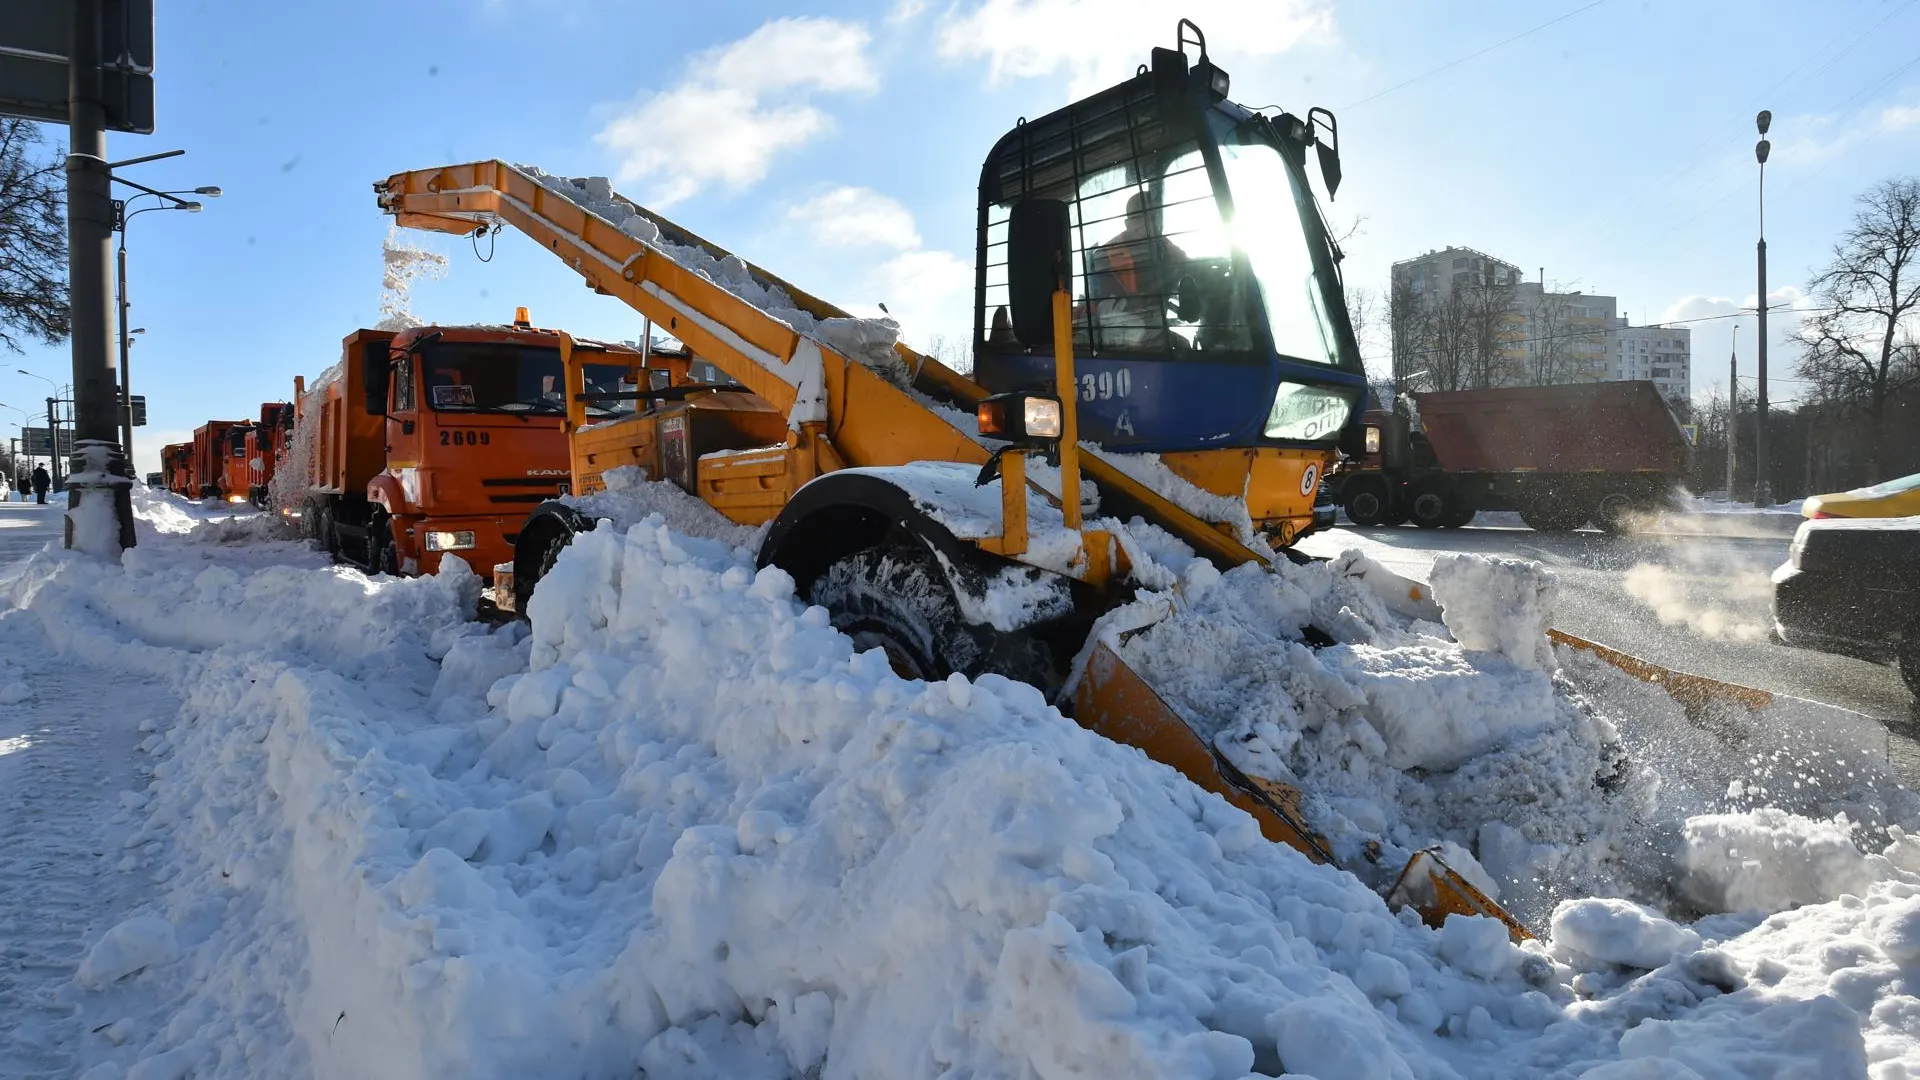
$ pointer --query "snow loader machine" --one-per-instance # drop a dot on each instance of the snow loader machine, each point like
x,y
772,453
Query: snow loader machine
x,y
1153,276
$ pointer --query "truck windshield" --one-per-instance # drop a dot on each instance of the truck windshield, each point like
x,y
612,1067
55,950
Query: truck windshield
x,y
1269,197
498,377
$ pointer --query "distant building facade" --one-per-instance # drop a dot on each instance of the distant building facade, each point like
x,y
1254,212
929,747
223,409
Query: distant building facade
x,y
1461,317
1662,354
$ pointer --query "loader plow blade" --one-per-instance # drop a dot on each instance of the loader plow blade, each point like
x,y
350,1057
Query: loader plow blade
x,y
1694,693
1113,701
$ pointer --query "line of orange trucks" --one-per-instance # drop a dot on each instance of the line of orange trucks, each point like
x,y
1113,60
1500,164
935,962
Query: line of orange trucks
x,y
429,441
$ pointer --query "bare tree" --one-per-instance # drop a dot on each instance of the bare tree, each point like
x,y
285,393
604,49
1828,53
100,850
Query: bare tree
x,y
1863,345
1408,320
33,239
1486,306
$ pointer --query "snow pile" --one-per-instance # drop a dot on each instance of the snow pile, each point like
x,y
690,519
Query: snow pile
x,y
630,498
1770,860
133,945
865,341
1608,931
1497,605
685,829
1398,735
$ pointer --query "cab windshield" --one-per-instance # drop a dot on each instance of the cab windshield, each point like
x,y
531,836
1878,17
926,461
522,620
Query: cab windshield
x,y
1269,198
504,378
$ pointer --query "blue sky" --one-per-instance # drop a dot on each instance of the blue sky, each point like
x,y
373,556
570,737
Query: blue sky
x,y
839,144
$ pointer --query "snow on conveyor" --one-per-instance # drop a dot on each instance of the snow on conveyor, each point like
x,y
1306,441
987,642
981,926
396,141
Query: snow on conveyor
x,y
683,830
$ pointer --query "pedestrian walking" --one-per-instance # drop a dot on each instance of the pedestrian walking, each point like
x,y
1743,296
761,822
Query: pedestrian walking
x,y
41,482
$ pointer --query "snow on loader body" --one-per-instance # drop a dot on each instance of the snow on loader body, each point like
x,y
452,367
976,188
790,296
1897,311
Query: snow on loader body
x,y
971,550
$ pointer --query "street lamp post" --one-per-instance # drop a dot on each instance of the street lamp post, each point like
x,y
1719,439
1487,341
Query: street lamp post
x,y
120,218
1762,497
53,428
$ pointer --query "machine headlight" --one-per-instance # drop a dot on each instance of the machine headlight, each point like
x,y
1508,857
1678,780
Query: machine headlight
x,y
1021,417
236,498
1373,440
450,540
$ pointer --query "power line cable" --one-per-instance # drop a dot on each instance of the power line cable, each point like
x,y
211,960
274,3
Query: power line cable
x,y
1473,55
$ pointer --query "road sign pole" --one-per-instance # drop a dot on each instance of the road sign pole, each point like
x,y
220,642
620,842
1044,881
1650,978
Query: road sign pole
x,y
96,384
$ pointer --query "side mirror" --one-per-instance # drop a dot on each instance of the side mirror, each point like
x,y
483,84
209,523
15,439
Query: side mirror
x,y
1327,148
1039,247
376,368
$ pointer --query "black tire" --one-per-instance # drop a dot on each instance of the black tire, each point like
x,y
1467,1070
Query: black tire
x,y
1367,502
1547,514
1909,660
896,598
1462,514
381,554
324,531
1617,513
1430,503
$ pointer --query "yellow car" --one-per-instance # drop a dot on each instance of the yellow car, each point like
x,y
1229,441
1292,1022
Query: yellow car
x,y
1892,499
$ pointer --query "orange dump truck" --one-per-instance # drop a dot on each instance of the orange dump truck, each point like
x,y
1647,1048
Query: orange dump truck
x,y
438,440
176,468
219,462
266,441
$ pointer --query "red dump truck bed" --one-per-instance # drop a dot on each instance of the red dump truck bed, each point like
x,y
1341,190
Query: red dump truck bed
x,y
1616,427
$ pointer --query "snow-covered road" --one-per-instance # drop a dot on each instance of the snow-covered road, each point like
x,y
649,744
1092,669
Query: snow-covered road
x,y
1696,602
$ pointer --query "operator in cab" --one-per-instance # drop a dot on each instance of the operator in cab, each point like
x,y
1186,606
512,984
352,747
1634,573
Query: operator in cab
x,y
1132,279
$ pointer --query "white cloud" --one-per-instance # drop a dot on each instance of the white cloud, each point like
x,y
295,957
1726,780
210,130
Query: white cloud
x,y
1100,42
740,106
857,217
1810,140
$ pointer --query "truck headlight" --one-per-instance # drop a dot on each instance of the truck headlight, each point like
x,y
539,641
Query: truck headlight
x,y
1020,417
449,541
236,498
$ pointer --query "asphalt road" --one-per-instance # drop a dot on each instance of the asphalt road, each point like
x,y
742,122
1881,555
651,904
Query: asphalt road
x,y
1693,603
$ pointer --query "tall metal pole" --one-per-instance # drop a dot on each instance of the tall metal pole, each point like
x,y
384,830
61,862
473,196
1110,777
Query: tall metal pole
x,y
126,348
1733,406
53,442
89,243
1762,497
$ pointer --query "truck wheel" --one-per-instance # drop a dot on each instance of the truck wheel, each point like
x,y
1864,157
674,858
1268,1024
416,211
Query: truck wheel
x,y
1430,504
1909,660
1366,502
1617,513
382,555
1547,514
1461,516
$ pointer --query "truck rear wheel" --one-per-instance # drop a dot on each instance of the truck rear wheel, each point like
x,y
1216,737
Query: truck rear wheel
x,y
1617,512
1549,514
1461,516
1366,501
1430,504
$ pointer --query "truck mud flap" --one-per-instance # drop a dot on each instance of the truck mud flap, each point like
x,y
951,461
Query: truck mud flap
x,y
1113,701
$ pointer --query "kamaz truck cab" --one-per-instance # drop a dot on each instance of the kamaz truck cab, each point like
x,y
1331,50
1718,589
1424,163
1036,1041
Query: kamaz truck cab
x,y
1207,304
469,427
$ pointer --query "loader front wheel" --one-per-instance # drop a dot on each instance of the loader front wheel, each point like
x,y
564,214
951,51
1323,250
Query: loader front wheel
x,y
894,598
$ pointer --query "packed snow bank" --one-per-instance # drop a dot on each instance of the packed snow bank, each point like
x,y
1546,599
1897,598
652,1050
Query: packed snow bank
x,y
684,828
